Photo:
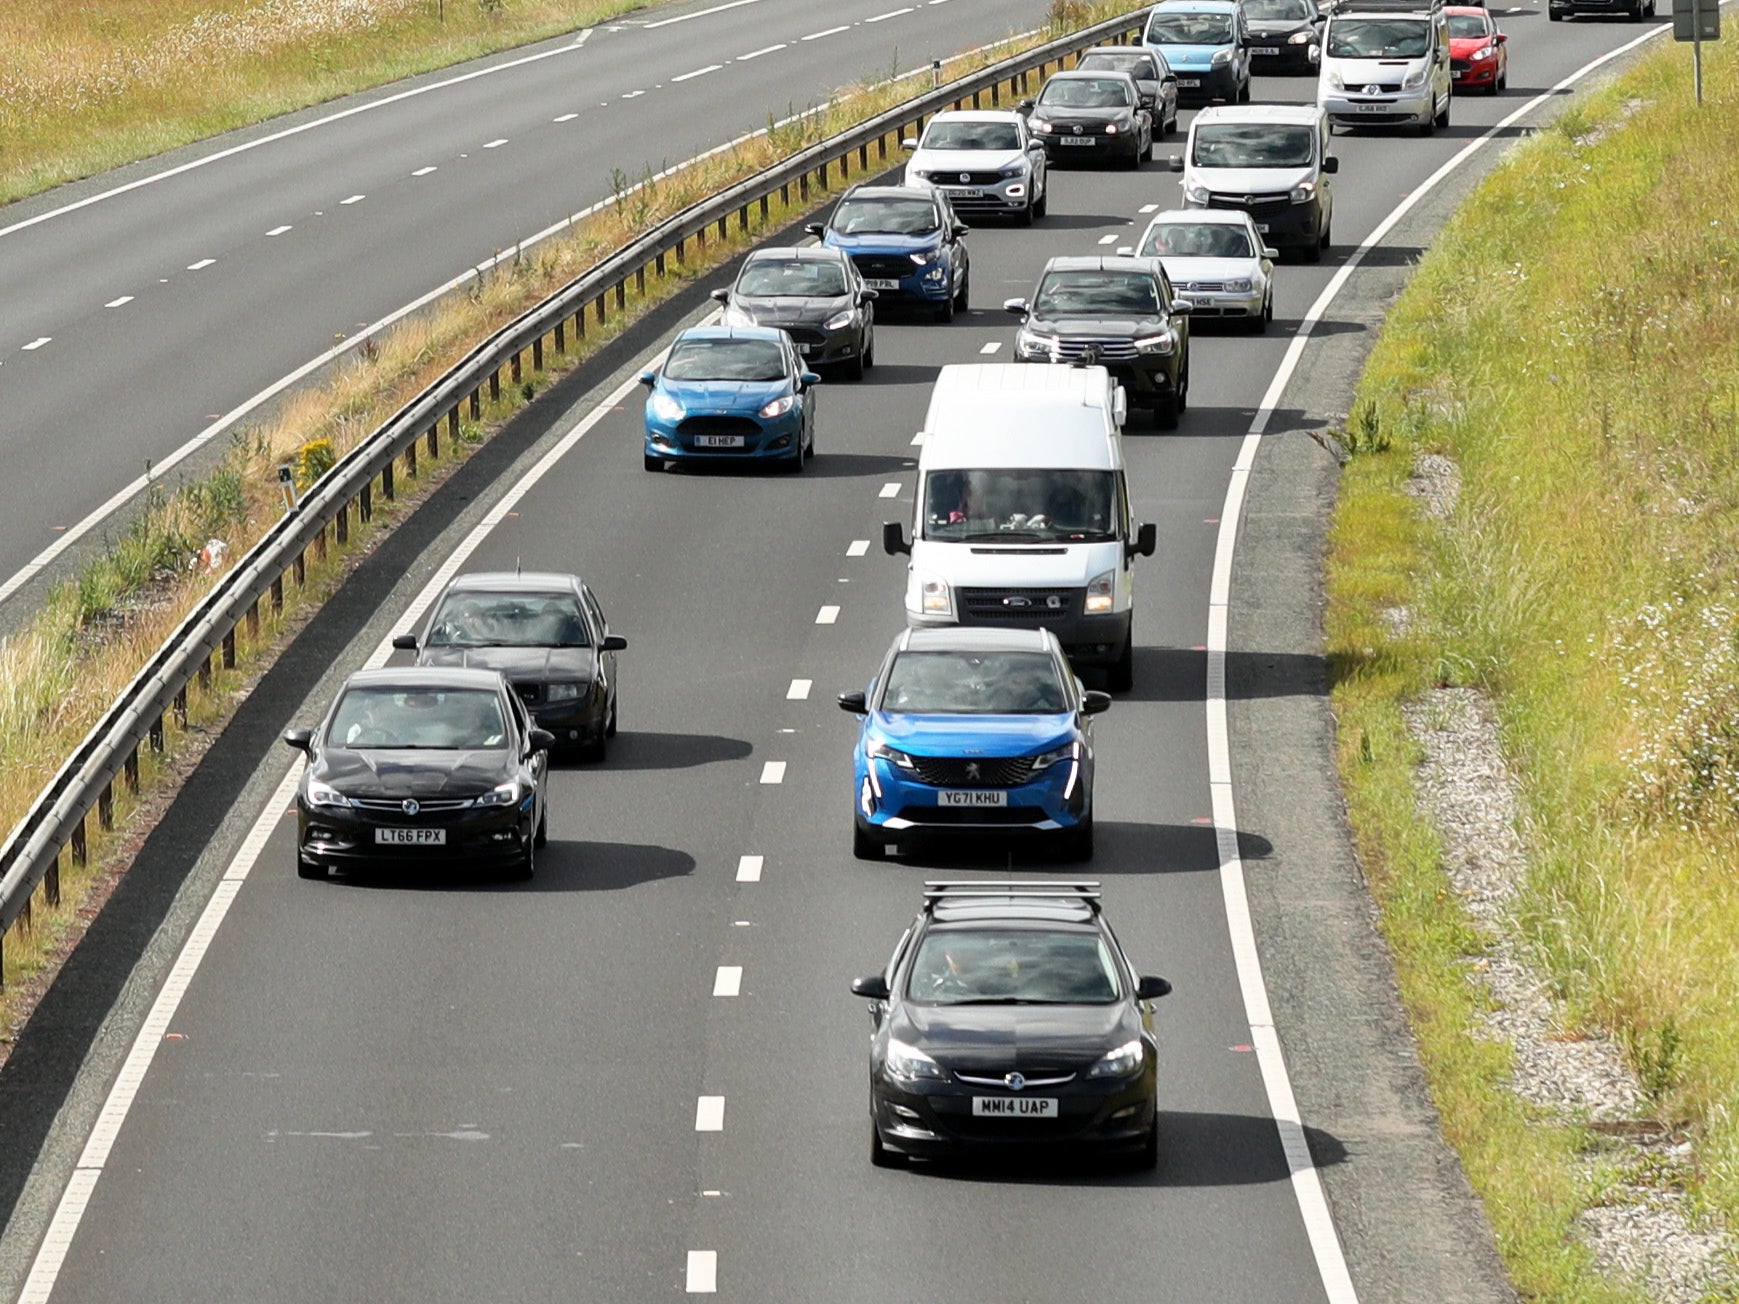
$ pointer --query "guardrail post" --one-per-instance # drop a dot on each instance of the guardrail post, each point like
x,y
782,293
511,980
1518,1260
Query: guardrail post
x,y
700,239
181,708
640,280
278,595
106,807
254,620
130,770
389,490
411,458
494,391
845,166
785,194
80,856
157,735
803,187
766,208
725,227
821,175
975,103
881,147
341,524
561,337
365,504
658,264
300,568
863,156
622,295
681,250
24,910
603,310
229,650
452,429
51,880
477,403
518,375
743,218
995,94
537,354
203,675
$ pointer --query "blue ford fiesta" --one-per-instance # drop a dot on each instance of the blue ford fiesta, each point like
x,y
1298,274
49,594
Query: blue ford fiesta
x,y
729,393
972,733
905,241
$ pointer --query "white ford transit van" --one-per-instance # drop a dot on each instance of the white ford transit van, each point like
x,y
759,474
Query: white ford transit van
x,y
1022,518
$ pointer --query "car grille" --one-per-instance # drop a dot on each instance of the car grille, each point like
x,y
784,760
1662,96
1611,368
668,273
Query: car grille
x,y
1251,203
1035,1079
717,426
1199,287
1376,88
802,334
1013,816
1018,606
989,202
884,267
397,804
967,178
960,772
1068,349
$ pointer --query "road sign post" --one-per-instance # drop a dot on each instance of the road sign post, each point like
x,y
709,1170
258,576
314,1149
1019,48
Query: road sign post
x,y
1697,21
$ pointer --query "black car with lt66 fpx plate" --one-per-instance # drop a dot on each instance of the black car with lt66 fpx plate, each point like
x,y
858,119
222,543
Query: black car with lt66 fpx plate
x,y
1008,1019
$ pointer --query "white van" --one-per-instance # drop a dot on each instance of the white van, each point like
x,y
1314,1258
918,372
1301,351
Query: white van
x,y
1272,161
1386,63
1022,518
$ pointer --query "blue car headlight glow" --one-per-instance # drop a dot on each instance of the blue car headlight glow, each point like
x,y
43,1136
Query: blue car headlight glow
x,y
666,408
779,406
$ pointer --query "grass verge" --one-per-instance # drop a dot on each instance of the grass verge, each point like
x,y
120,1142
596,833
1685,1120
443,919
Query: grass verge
x,y
1572,344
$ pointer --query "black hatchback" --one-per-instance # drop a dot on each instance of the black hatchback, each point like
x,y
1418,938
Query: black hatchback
x,y
816,296
1009,1017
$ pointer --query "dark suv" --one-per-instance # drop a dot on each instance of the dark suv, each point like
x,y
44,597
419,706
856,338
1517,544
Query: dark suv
x,y
1117,312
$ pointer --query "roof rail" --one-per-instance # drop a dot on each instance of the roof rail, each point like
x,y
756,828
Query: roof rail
x,y
1338,7
1058,889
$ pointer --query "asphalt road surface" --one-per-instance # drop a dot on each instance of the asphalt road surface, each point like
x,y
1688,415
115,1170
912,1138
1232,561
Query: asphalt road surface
x,y
462,1090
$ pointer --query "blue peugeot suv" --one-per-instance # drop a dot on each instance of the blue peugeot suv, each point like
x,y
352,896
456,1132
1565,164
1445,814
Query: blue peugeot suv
x,y
1207,43
905,241
970,732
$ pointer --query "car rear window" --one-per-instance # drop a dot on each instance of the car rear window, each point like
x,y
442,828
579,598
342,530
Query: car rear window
x,y
993,966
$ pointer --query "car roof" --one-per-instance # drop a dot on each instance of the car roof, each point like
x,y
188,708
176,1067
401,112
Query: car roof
x,y
1138,51
1205,216
977,115
770,334
891,192
514,582
985,415
1089,74
1196,7
968,638
425,677
1032,902
816,253
1302,114
1100,263
1468,11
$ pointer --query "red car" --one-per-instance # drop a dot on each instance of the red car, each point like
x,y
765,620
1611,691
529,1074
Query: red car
x,y
1478,57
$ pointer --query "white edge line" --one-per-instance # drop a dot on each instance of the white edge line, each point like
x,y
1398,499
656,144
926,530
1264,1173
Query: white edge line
x,y
1306,1181
699,13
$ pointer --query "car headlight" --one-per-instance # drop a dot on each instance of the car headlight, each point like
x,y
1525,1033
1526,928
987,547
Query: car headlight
x,y
1414,79
779,406
1110,128
1162,343
1044,761
507,794
1243,285
934,596
1221,59
324,794
909,1064
918,175
1301,38
1030,344
1194,192
1118,1063
561,692
880,751
1010,173
1484,52
735,316
1303,192
665,408
1101,589
921,258
839,321
1334,81
1043,127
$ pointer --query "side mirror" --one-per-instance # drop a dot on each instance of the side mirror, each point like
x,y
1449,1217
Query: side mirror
x,y
868,296
815,229
874,988
1331,164
300,739
1126,251
722,295
1170,77
1182,307
615,643
894,539
1093,702
1025,106
1148,988
540,740
405,643
1019,307
856,703
1174,164
809,378
1146,540
908,142
1269,251
1502,38
960,229
648,378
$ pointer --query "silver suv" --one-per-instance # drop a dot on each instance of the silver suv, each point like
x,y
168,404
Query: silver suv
x,y
985,160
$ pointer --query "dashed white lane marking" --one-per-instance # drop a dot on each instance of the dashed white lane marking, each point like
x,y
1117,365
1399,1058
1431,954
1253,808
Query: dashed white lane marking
x,y
566,117
280,230
633,95
354,199
859,547
918,438
729,981
749,868
495,144
890,490
992,347
201,265
831,31
773,772
423,172
116,303
703,1265
892,13
1150,208
756,54
799,690
1108,239
37,343
698,72
709,1114
827,615
699,13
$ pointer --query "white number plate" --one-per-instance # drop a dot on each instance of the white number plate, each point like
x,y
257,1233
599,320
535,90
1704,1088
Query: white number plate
x,y
880,284
1262,228
1373,108
972,797
1266,49
1014,1106
1077,140
410,837
718,441
1189,83
963,192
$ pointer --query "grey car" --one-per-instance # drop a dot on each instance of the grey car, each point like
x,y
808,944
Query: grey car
x,y
1153,78
1088,115
816,296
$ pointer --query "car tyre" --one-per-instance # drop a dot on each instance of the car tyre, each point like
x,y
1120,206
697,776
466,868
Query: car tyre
x,y
1165,410
1026,215
1552,15
880,1155
1077,845
865,846
541,837
1147,1158
526,866
610,727
1244,93
963,297
1042,204
1183,383
306,868
945,309
1120,674
869,362
1442,119
654,463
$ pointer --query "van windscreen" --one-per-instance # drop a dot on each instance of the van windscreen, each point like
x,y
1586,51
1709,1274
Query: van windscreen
x,y
1020,505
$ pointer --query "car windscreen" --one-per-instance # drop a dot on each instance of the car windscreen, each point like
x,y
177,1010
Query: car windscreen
x,y
1188,29
1020,504
1139,66
974,683
473,619
1197,240
1279,11
1465,25
1097,294
447,719
1377,38
1084,93
725,360
1252,145
806,278
999,136
994,966
890,216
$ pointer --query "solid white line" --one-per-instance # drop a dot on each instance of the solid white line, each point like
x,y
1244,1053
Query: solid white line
x,y
773,772
565,117
749,869
756,54
201,264
703,1265
799,690
709,1114
280,230
699,13
729,981
890,490
36,343
354,199
116,303
831,31
992,347
827,615
1306,1181
892,13
858,548
698,72
496,144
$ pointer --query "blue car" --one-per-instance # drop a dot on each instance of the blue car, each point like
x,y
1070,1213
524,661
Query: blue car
x,y
730,393
1207,44
905,242
968,733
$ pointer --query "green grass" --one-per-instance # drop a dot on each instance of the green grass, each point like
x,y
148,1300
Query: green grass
x,y
1572,343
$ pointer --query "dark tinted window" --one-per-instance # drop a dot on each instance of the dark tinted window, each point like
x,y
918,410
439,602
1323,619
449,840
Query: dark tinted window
x,y
986,966
509,620
1189,29
1097,294
886,216
1084,93
1011,504
975,683
1252,145
999,136
804,277
1377,38
1198,240
445,719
